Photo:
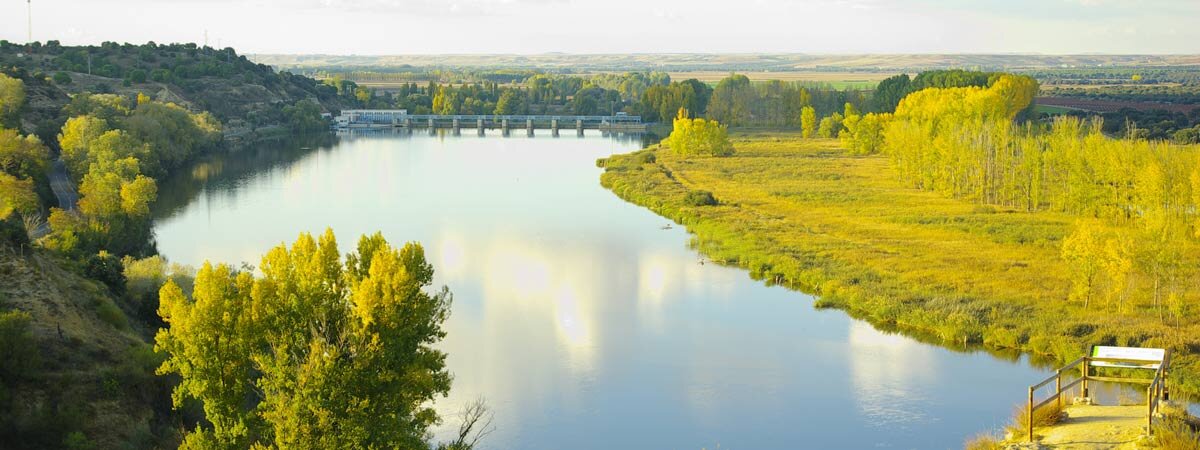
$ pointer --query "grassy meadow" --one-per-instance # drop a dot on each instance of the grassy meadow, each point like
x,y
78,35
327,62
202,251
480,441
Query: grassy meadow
x,y
805,214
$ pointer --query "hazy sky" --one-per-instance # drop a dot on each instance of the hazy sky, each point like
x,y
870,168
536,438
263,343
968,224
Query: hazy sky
x,y
622,26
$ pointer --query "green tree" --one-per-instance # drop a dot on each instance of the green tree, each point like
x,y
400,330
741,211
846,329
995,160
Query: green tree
x,y
137,76
511,101
731,101
889,92
315,353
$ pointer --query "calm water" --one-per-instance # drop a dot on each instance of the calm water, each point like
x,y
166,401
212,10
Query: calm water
x,y
582,322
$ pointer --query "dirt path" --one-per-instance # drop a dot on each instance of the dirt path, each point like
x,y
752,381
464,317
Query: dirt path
x,y
1096,427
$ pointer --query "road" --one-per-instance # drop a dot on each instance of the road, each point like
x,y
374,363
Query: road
x,y
63,189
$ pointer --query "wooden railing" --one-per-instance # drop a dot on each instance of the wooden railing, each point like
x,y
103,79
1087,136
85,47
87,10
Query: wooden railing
x,y
1155,392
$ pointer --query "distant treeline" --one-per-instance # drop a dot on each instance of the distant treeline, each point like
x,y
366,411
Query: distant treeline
x,y
1181,94
1187,75
1158,124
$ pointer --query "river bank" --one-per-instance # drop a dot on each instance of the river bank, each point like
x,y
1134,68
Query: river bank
x,y
804,214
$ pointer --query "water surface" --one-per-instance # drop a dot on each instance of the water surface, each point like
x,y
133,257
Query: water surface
x,y
583,322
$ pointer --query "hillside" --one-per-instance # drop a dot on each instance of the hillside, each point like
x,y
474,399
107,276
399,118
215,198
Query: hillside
x,y
242,94
76,373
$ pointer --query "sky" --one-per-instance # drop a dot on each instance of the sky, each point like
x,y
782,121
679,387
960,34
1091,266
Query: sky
x,y
395,27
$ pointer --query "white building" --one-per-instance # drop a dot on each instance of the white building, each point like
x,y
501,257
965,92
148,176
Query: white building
x,y
368,117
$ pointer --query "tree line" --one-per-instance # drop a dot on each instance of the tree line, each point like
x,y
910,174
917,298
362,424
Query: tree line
x,y
1136,199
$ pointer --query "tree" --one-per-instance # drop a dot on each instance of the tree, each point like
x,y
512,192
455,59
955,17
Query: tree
x,y
315,353
12,98
1084,251
1160,255
16,195
511,101
304,115
830,126
1118,265
22,156
731,100
137,76
698,137
76,139
808,122
889,92
863,135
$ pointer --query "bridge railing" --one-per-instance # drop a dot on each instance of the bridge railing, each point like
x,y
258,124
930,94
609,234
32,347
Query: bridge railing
x,y
521,118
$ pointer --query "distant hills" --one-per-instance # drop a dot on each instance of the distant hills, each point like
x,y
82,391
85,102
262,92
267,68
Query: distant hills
x,y
683,62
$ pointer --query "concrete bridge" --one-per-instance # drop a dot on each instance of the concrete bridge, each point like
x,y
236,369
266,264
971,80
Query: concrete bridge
x,y
400,119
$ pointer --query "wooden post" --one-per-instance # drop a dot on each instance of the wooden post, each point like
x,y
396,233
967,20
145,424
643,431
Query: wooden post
x,y
1030,415
1150,410
1084,371
1058,387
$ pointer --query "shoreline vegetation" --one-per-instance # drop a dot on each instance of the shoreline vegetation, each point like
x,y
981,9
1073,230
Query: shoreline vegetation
x,y
808,215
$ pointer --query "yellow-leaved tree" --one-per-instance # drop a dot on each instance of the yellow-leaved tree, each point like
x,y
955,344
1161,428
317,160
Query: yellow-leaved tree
x,y
693,137
315,353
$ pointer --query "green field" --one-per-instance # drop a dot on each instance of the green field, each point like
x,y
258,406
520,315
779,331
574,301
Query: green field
x,y
1049,109
804,214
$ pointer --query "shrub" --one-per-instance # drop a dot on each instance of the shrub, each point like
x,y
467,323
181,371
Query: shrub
x,y
645,157
137,76
983,442
12,233
699,198
1171,433
18,351
108,311
76,440
62,78
107,269
1043,417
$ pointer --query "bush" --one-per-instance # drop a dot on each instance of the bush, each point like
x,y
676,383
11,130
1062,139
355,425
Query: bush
x,y
107,269
108,311
1172,433
77,441
18,351
1042,417
137,76
699,198
645,157
983,442
62,78
12,233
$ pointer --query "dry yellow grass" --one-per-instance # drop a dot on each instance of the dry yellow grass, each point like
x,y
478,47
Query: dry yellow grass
x,y
805,214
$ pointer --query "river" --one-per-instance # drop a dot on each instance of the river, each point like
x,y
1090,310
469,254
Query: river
x,y
585,321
